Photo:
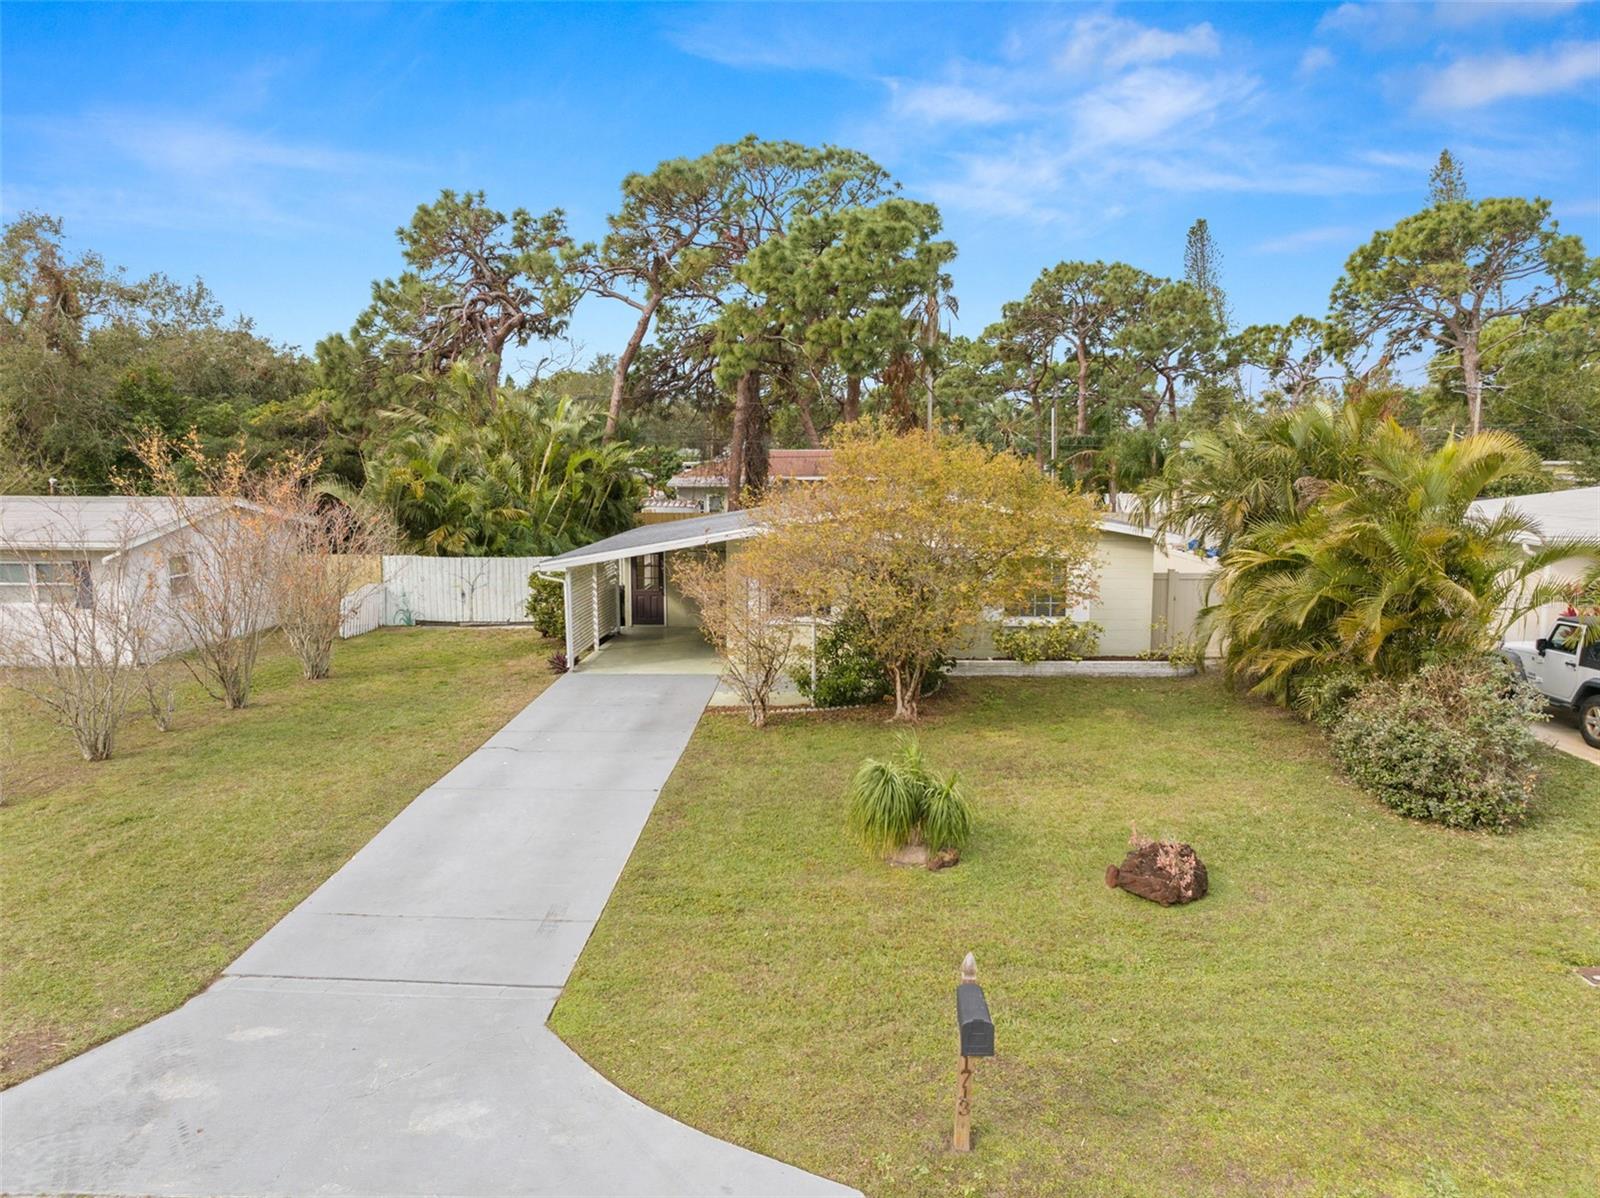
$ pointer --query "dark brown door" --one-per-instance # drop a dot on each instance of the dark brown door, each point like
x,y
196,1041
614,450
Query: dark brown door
x,y
650,589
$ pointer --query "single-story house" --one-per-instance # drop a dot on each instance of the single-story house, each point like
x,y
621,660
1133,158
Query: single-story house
x,y
705,484
1559,515
73,548
1150,588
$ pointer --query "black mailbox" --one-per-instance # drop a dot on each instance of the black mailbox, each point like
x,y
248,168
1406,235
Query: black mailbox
x,y
972,1017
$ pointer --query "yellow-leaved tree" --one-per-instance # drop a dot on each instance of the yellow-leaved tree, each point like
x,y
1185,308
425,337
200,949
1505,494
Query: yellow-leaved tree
x,y
922,535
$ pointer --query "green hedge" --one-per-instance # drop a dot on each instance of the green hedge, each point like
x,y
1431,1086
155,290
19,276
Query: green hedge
x,y
1063,640
1452,744
547,606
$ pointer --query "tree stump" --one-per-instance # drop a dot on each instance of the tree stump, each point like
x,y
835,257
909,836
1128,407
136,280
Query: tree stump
x,y
1162,871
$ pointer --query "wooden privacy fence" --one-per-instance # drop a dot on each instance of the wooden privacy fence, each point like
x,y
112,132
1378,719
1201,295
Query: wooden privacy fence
x,y
457,590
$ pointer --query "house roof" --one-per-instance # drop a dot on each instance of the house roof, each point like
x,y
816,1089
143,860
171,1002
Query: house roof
x,y
659,538
88,522
1560,515
725,526
793,465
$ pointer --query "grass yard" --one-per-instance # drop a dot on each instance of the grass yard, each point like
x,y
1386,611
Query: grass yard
x,y
129,884
1362,1006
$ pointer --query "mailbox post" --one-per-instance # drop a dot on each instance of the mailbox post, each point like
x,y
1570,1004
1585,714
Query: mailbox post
x,y
976,1031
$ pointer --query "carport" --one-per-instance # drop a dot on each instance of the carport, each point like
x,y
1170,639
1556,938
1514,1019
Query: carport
x,y
621,589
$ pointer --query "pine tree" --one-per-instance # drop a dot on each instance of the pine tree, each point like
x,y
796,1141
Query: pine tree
x,y
1202,266
1447,183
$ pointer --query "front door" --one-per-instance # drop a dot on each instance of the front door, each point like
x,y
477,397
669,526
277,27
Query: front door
x,y
650,589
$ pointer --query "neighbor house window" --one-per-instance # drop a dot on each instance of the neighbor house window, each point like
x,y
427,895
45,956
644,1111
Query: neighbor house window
x,y
16,582
179,581
57,582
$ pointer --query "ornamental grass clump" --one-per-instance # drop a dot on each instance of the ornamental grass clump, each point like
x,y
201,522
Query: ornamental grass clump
x,y
902,803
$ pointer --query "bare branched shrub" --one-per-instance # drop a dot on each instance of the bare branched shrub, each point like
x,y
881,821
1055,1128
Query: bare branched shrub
x,y
750,626
231,537
75,642
326,559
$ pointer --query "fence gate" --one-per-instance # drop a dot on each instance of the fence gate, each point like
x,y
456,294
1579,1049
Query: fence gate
x,y
1178,599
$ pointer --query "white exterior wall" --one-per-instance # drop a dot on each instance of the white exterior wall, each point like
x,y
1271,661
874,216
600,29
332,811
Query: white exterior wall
x,y
580,590
1536,623
1123,606
116,579
608,587
458,590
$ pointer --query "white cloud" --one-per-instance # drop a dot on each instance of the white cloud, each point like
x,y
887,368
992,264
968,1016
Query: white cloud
x,y
947,103
1418,162
753,38
1293,243
1112,43
1348,17
182,171
1316,58
1146,104
1400,20
1474,82
1019,180
1454,13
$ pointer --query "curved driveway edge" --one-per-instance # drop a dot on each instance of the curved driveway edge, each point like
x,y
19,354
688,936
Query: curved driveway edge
x,y
388,1036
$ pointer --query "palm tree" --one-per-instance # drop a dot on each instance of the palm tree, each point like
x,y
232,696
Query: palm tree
x,y
1380,572
531,477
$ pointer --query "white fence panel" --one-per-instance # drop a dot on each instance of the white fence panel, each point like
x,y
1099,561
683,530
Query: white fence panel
x,y
457,590
363,609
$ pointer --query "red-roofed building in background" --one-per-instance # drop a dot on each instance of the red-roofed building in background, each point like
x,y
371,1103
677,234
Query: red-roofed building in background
x,y
706,485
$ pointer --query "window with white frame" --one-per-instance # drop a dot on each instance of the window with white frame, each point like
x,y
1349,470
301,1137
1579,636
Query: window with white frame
x,y
1052,604
46,581
179,579
16,582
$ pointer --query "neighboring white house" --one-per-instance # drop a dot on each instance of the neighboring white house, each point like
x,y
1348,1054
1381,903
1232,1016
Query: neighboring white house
x,y
70,549
1148,589
1573,514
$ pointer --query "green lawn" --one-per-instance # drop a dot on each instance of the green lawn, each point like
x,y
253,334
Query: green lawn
x,y
127,885
1363,1005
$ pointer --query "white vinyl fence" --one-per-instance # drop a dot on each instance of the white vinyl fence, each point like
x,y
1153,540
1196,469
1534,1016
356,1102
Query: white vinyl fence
x,y
363,610
457,590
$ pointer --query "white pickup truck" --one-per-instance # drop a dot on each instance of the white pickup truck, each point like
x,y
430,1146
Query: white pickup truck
x,y
1565,667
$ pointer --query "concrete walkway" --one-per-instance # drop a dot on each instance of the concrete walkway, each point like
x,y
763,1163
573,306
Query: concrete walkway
x,y
387,1037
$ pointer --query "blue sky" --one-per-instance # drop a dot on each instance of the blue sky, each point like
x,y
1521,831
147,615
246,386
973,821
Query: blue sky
x,y
272,150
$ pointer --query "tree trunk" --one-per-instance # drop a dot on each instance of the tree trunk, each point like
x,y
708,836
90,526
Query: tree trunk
x,y
851,409
1083,389
803,402
1472,379
756,459
491,389
619,376
736,439
907,690
1038,432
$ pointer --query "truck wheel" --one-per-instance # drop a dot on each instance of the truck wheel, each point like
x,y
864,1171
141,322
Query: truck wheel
x,y
1589,720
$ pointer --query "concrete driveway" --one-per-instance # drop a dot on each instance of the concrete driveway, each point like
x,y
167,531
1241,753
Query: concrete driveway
x,y
1561,732
387,1037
